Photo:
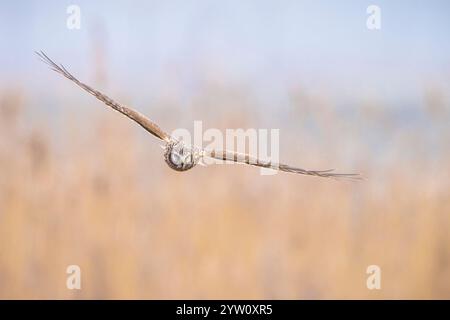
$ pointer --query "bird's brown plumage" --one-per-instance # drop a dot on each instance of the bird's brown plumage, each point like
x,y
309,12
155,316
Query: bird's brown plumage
x,y
145,122
247,159
155,130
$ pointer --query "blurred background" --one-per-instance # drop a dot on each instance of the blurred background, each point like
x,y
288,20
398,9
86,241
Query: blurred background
x,y
81,184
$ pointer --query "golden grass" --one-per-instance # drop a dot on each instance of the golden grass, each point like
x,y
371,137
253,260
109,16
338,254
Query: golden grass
x,y
99,195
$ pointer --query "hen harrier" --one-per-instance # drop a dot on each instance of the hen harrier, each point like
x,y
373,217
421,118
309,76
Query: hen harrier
x,y
178,155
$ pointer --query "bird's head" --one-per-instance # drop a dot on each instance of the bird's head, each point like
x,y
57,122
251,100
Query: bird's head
x,y
179,156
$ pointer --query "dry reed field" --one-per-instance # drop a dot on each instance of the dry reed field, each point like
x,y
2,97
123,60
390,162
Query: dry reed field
x,y
95,192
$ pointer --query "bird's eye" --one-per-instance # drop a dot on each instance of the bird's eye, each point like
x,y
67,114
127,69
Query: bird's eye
x,y
175,158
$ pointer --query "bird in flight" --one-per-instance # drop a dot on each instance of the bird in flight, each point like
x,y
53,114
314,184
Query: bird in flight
x,y
177,154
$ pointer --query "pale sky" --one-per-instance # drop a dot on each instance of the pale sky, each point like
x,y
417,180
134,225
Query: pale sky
x,y
321,46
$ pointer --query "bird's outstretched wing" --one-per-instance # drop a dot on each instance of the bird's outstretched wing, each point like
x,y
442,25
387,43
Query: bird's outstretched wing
x,y
145,122
247,159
